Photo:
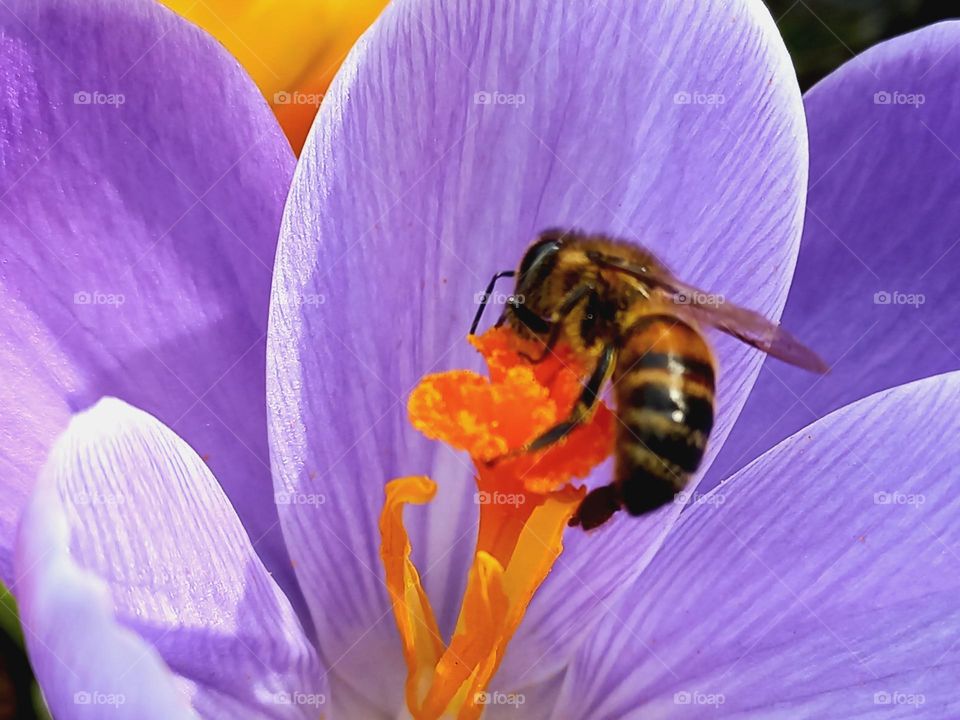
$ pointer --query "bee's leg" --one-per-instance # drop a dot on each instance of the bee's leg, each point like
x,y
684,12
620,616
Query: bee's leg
x,y
530,319
585,405
566,307
581,412
597,507
486,297
555,329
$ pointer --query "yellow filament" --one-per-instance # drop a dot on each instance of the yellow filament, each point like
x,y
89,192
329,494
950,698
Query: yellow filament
x,y
422,644
450,680
525,503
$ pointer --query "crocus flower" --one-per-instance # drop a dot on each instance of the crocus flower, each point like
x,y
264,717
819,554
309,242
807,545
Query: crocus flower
x,y
291,49
161,575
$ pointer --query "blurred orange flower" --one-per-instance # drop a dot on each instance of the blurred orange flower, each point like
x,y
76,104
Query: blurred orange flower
x,y
291,48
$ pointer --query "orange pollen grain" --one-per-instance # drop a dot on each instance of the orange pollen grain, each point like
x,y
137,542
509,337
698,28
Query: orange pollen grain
x,y
490,417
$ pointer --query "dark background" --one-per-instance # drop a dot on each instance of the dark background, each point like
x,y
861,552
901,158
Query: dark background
x,y
820,34
823,34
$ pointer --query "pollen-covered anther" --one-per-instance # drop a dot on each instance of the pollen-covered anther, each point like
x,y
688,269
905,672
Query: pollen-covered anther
x,y
492,418
525,501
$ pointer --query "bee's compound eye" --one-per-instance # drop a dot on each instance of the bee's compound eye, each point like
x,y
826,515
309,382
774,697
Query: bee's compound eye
x,y
545,247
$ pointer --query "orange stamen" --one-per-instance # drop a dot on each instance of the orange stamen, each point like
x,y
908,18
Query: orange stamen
x,y
525,502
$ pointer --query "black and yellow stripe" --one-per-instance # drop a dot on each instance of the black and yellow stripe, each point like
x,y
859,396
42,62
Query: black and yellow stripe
x,y
664,384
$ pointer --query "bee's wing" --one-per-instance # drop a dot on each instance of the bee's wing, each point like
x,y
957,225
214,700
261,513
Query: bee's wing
x,y
743,324
754,329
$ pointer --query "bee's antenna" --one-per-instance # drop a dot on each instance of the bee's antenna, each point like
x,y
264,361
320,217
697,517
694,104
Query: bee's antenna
x,y
486,297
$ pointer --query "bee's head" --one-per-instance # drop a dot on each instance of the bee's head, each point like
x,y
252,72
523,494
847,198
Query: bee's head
x,y
537,264
539,260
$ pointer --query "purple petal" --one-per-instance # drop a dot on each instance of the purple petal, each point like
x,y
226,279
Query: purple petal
x,y
820,581
130,554
883,224
454,133
137,241
533,702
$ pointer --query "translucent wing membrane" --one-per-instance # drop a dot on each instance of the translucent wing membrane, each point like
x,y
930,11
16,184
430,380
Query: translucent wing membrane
x,y
714,310
754,329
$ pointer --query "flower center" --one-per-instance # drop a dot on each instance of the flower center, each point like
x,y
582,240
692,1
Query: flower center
x,y
525,501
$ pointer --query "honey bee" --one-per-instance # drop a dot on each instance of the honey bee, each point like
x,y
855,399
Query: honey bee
x,y
619,309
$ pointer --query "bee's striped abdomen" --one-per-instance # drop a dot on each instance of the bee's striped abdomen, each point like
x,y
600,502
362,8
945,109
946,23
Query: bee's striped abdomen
x,y
664,385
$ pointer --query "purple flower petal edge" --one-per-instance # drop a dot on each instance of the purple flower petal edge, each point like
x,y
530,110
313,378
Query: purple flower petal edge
x,y
129,553
875,290
820,581
141,189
